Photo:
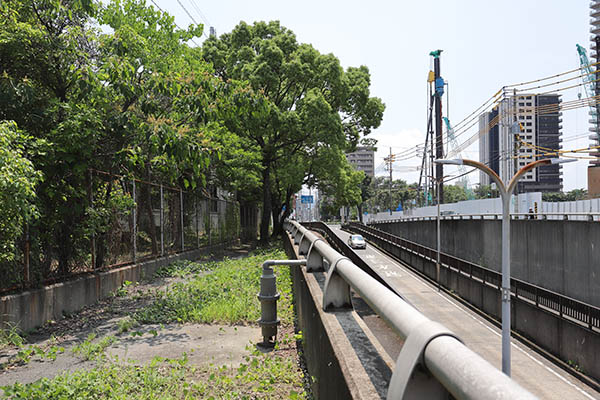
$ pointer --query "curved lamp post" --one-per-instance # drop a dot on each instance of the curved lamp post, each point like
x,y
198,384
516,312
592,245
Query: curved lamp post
x,y
505,194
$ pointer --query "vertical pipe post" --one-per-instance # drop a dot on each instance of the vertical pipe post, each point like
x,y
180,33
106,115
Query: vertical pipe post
x,y
197,224
390,165
91,201
437,264
26,258
439,143
505,281
209,209
162,223
134,223
181,213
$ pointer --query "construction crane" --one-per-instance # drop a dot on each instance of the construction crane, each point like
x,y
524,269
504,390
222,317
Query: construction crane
x,y
464,180
588,77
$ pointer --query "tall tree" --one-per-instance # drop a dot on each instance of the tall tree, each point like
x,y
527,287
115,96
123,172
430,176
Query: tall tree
x,y
310,94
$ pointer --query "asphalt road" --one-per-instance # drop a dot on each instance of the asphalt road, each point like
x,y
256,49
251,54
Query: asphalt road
x,y
529,369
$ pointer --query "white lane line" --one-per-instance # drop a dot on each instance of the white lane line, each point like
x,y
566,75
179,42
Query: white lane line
x,y
419,279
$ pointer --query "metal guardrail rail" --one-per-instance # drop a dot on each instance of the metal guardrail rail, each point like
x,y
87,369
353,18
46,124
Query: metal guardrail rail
x,y
565,307
433,362
554,216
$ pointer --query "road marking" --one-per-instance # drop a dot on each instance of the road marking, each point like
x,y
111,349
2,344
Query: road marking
x,y
462,309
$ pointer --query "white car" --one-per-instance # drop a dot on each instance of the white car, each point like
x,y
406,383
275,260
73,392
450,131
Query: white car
x,y
357,242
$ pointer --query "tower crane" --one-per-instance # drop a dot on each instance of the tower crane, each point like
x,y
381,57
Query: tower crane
x,y
464,181
588,78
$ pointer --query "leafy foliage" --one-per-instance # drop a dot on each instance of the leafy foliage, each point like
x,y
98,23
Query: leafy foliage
x,y
18,180
313,112
402,194
573,195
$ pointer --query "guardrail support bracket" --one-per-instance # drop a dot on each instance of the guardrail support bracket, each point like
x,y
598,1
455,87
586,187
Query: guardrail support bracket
x,y
411,379
314,261
336,293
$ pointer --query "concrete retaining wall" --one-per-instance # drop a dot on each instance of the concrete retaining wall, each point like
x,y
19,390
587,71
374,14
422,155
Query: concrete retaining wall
x,y
33,308
344,359
561,256
568,341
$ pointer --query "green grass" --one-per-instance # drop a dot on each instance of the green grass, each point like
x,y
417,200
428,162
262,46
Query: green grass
x,y
228,294
93,350
10,336
261,376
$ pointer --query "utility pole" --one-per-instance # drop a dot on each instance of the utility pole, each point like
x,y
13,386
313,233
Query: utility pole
x,y
390,166
597,85
439,144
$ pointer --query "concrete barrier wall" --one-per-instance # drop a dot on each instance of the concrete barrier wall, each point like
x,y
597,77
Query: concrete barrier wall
x,y
344,359
33,308
561,256
570,342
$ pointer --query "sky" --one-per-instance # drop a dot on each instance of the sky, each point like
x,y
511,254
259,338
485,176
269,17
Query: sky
x,y
486,45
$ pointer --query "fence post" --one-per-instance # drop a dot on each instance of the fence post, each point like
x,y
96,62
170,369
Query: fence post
x,y
197,226
26,277
134,224
181,213
91,201
162,223
209,210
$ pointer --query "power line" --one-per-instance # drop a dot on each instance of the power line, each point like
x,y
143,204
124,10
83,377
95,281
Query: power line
x,y
192,18
202,16
164,12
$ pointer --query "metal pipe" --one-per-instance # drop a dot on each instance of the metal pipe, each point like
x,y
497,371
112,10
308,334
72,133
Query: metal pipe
x,y
162,223
134,224
461,371
182,224
468,376
268,297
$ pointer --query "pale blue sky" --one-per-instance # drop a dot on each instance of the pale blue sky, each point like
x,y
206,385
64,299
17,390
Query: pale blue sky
x,y
487,44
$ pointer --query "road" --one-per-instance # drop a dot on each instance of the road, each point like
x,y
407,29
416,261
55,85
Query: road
x,y
529,369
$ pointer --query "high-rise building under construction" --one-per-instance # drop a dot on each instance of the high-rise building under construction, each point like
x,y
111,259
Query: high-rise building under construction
x,y
514,132
594,167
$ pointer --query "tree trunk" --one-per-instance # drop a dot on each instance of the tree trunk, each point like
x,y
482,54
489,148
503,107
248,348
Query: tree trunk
x,y
277,222
360,213
266,212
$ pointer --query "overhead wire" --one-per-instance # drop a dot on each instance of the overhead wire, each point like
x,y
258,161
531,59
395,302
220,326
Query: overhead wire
x,y
549,77
190,15
163,11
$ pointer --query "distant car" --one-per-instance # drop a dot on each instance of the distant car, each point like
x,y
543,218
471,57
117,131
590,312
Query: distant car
x,y
357,242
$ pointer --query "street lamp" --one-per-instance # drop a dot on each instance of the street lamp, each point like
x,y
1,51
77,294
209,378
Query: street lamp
x,y
438,228
505,194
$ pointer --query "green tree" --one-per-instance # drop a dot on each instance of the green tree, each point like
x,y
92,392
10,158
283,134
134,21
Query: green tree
x,y
486,192
454,193
310,98
18,179
402,194
136,99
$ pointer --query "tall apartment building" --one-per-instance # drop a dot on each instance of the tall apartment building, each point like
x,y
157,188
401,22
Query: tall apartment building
x,y
594,166
363,159
502,150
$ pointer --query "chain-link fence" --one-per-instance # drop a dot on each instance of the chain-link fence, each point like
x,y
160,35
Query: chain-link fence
x,y
122,221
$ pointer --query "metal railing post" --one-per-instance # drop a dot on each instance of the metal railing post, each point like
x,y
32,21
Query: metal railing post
x,y
26,258
197,226
182,224
134,223
91,201
162,222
